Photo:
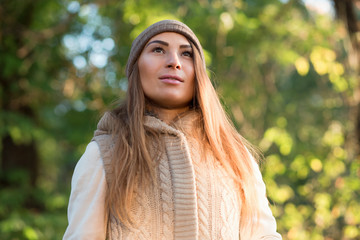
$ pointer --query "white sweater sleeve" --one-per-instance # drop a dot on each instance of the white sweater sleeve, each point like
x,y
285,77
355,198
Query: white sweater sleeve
x,y
266,228
86,210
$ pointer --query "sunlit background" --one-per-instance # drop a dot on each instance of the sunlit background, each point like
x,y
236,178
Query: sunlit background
x,y
287,72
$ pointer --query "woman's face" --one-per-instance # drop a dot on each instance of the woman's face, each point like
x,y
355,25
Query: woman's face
x,y
166,70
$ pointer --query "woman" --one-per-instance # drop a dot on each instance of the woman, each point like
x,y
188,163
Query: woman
x,y
167,163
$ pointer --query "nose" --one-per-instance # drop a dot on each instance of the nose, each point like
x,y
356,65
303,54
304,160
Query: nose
x,y
173,61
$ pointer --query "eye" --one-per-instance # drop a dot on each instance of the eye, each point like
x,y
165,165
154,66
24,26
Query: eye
x,y
187,54
158,50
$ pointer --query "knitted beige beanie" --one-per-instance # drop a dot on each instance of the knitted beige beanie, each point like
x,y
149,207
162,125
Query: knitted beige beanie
x,y
157,28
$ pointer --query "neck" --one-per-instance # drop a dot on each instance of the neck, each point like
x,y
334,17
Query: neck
x,y
167,115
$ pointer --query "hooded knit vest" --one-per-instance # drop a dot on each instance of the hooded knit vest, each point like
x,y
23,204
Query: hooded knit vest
x,y
191,196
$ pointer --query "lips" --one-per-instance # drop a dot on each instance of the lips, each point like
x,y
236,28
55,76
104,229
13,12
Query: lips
x,y
171,78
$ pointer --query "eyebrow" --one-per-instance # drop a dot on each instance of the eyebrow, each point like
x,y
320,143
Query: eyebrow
x,y
185,46
167,44
158,41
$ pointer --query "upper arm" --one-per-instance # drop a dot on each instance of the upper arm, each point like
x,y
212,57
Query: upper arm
x,y
86,210
266,224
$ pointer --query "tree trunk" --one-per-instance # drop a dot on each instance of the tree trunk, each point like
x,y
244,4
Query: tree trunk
x,y
346,12
15,156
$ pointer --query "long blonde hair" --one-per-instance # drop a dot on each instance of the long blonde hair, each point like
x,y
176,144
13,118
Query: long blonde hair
x,y
133,164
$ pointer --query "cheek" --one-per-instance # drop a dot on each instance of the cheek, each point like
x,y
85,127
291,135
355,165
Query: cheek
x,y
145,85
144,74
191,70
143,66
191,75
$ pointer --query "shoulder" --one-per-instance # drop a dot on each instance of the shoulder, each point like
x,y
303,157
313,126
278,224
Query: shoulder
x,y
91,154
105,146
92,149
89,164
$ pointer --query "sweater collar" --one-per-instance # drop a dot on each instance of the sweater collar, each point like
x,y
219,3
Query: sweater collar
x,y
185,123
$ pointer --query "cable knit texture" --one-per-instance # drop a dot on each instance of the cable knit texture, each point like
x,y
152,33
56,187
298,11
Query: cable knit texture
x,y
191,197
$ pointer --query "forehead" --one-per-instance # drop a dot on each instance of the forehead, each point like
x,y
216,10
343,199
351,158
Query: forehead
x,y
170,37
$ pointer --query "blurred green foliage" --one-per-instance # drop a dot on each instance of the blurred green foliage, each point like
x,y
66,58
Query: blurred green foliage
x,y
282,71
